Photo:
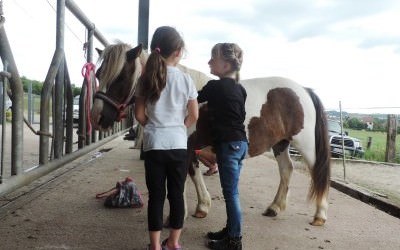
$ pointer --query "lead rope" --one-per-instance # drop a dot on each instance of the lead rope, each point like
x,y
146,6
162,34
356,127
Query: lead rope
x,y
86,70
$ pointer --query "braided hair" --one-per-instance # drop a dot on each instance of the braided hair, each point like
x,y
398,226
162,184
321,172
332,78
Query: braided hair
x,y
231,53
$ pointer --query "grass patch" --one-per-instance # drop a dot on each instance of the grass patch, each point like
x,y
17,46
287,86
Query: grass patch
x,y
377,150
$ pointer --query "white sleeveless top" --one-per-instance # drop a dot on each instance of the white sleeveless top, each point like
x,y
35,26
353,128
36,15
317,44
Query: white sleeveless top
x,y
165,128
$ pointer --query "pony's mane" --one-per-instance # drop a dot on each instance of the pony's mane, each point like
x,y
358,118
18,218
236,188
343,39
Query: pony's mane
x,y
113,58
143,57
199,78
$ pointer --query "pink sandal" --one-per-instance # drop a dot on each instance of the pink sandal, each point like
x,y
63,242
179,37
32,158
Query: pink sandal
x,y
165,247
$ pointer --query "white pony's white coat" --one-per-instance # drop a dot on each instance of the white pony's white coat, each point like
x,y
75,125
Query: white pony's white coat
x,y
257,90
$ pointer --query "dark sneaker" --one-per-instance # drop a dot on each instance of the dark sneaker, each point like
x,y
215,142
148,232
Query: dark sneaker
x,y
227,243
218,235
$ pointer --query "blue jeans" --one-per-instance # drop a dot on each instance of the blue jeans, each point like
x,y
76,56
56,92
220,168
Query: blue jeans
x,y
229,158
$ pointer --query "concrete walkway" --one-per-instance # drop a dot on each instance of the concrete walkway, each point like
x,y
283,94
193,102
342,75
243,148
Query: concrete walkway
x,y
60,211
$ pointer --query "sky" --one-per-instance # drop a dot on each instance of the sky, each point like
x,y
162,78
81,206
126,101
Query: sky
x,y
348,52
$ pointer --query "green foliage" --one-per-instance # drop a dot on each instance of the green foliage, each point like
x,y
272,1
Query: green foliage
x,y
355,123
380,125
377,150
37,86
355,128
75,90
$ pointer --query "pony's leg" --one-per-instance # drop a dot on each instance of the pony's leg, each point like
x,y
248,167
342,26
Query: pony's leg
x,y
321,212
203,196
285,171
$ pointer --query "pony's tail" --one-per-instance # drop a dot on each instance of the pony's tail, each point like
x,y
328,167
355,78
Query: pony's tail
x,y
321,171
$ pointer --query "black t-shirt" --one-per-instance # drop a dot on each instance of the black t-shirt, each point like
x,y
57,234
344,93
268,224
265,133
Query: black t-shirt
x,y
226,106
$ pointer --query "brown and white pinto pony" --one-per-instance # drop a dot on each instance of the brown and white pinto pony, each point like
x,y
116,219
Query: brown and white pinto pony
x,y
120,69
118,73
279,112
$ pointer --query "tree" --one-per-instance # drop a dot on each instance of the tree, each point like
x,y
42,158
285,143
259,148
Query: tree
x,y
75,90
380,125
37,86
355,123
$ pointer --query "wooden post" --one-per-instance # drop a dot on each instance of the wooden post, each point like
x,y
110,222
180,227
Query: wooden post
x,y
369,142
391,138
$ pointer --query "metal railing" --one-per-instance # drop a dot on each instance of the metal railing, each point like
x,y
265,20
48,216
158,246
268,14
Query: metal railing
x,y
56,131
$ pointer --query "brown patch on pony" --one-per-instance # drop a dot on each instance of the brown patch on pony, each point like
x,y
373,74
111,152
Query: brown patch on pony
x,y
192,159
280,147
281,118
199,138
203,128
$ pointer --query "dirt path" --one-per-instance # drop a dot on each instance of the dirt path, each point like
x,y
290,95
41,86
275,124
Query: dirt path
x,y
378,178
375,178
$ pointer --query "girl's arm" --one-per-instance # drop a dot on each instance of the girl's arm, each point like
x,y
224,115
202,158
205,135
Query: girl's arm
x,y
193,113
140,113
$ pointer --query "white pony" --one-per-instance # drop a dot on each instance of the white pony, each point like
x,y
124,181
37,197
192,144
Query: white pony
x,y
279,112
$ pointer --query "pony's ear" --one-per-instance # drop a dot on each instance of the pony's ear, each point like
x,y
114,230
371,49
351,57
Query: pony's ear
x,y
99,51
133,53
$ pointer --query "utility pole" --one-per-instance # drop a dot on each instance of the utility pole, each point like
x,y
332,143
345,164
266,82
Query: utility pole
x,y
143,23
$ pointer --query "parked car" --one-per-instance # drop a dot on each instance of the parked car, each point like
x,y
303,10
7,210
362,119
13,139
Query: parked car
x,y
75,111
352,146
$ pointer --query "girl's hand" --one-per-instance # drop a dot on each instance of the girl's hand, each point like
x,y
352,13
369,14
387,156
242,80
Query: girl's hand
x,y
140,111
193,113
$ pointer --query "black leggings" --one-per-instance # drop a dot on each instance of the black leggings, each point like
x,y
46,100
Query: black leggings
x,y
165,166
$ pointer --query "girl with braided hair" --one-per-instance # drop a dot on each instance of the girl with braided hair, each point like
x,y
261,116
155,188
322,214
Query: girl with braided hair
x,y
226,108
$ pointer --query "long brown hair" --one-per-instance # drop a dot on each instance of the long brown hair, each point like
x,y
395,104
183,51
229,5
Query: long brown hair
x,y
166,40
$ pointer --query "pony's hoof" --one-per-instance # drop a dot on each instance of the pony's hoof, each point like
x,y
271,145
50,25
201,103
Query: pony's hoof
x,y
200,215
270,213
318,222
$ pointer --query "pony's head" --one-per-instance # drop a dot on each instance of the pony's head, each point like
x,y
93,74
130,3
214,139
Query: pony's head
x,y
118,74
